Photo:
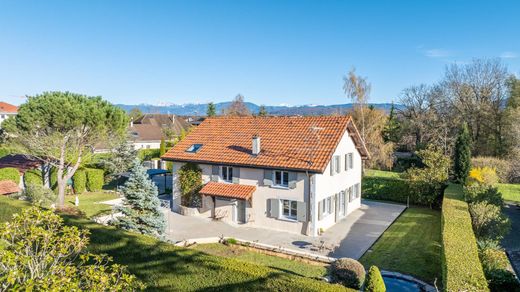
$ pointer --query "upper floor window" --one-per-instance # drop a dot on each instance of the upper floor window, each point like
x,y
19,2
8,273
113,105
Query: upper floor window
x,y
194,148
349,161
281,178
227,173
335,165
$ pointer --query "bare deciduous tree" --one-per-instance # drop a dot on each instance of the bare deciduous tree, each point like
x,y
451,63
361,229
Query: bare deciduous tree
x,y
237,108
358,89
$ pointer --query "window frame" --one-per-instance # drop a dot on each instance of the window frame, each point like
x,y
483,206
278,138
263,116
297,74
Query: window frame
x,y
281,185
293,212
228,171
350,157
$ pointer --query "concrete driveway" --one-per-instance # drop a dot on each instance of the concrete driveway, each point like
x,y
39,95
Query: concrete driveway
x,y
350,237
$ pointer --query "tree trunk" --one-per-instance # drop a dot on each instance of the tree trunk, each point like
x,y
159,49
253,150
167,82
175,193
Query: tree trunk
x,y
61,192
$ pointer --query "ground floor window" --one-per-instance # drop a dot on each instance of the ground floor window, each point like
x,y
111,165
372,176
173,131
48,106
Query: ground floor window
x,y
289,209
326,205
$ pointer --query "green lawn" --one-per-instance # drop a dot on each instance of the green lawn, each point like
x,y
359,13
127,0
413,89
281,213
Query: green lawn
x,y
164,267
382,173
89,202
411,245
510,192
275,262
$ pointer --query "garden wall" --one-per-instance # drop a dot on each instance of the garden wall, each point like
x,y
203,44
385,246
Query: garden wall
x,y
461,266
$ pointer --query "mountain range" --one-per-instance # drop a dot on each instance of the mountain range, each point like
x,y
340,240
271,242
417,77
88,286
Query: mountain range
x,y
278,110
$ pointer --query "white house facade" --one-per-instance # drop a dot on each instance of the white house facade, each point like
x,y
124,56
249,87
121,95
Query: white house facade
x,y
304,188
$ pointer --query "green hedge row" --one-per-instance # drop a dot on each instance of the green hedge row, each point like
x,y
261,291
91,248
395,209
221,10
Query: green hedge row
x,y
10,173
148,154
33,177
79,180
385,188
95,179
461,266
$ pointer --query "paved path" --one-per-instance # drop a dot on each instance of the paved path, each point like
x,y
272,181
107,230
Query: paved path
x,y
351,237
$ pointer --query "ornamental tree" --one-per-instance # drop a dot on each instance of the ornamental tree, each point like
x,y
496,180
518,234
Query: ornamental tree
x,y
60,128
462,155
39,253
141,207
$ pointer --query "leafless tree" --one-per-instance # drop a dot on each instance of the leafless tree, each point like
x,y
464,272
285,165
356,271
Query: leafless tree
x,y
237,108
358,89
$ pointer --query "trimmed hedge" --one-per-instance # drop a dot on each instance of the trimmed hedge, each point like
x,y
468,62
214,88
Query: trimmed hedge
x,y
95,179
461,267
148,154
79,180
10,173
385,188
33,177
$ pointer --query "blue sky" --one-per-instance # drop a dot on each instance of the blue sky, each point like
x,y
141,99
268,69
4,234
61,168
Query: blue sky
x,y
272,52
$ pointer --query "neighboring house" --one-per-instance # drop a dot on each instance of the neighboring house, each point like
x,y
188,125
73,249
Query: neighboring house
x,y
297,174
194,120
147,131
7,110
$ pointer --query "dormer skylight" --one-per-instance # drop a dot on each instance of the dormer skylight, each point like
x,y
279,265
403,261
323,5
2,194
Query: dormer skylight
x,y
194,148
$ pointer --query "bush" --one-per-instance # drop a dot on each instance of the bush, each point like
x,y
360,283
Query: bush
x,y
502,280
374,281
483,175
348,272
39,195
94,179
502,167
148,154
80,181
493,259
488,221
386,188
461,267
33,177
10,173
189,177
475,193
4,151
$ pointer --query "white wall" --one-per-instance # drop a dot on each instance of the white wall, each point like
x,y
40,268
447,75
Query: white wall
x,y
5,116
147,145
327,185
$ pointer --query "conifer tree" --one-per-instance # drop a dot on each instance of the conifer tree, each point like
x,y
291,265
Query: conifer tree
x,y
141,205
462,155
262,112
212,110
392,127
162,147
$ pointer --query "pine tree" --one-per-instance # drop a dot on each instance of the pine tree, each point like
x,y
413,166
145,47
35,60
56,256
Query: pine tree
x,y
462,155
392,127
212,110
141,206
262,112
120,160
162,147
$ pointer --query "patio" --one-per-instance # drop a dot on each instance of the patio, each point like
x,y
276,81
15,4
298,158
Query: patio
x,y
351,237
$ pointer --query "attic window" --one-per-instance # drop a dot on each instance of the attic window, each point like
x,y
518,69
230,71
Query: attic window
x,y
194,148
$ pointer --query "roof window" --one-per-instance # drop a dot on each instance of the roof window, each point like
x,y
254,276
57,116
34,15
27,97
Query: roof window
x,y
194,148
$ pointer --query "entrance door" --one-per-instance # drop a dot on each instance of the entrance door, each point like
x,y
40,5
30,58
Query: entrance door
x,y
241,211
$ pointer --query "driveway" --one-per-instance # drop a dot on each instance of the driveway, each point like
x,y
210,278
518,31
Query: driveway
x,y
350,237
512,241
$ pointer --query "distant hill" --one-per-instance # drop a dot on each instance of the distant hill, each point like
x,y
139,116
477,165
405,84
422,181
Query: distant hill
x,y
200,109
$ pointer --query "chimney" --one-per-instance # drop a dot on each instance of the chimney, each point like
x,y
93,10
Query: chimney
x,y
256,145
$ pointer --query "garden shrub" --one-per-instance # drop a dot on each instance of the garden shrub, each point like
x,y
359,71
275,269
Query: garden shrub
x,y
502,167
10,173
483,175
4,151
33,177
387,188
475,193
39,195
496,265
461,267
95,179
190,182
374,281
148,154
348,272
80,181
488,221
493,259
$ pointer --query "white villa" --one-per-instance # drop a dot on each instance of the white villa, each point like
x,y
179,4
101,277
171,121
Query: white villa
x,y
295,174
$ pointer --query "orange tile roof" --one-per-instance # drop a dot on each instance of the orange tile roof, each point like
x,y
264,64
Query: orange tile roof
x,y
8,108
8,187
297,143
227,190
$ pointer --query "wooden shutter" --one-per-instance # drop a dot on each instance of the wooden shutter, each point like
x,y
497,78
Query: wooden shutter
x,y
301,211
293,176
336,210
351,161
320,209
332,166
338,161
346,161
268,177
274,205
236,175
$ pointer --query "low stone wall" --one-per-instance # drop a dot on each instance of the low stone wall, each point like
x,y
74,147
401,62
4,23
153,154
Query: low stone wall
x,y
187,211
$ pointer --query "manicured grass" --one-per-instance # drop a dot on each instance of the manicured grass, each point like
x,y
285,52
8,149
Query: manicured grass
x,y
411,245
510,192
89,202
164,267
382,173
275,262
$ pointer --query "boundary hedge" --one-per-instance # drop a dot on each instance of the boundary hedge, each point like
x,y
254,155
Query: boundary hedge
x,y
79,180
95,179
10,173
33,177
461,266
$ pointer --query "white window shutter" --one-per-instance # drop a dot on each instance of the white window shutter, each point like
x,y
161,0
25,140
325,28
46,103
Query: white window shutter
x,y
332,166
274,205
320,209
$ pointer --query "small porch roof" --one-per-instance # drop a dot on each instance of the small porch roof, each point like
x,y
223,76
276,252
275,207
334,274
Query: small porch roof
x,y
234,191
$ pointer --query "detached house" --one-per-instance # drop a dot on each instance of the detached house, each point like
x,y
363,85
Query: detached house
x,y
297,174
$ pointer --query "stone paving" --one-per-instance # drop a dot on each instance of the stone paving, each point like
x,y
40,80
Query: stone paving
x,y
350,237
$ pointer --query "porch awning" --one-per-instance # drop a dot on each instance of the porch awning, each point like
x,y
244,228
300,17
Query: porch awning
x,y
234,191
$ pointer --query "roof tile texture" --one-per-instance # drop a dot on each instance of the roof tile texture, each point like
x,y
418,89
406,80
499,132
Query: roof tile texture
x,y
298,143
227,190
8,108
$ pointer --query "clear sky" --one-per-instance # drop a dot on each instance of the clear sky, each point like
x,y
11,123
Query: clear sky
x,y
272,52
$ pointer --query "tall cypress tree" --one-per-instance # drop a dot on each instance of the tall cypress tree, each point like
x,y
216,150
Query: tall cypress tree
x,y
462,159
141,206
211,111
162,147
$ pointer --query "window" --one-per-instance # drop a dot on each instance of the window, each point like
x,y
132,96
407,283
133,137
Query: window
x,y
194,148
227,173
342,202
326,205
350,158
289,209
357,191
281,178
